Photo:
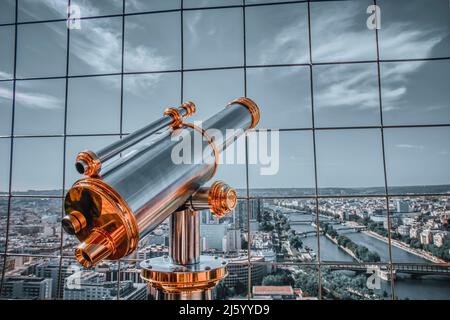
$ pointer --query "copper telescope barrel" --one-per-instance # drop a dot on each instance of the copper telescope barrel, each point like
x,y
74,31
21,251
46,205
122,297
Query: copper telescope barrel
x,y
109,214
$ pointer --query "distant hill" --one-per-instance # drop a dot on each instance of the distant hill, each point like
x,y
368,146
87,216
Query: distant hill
x,y
299,192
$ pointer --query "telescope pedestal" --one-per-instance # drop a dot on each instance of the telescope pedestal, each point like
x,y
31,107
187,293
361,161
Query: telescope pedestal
x,y
183,282
184,274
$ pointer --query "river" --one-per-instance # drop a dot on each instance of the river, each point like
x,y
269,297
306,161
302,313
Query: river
x,y
406,286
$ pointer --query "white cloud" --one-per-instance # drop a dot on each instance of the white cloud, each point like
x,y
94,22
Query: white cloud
x,y
143,58
88,8
5,75
410,146
33,7
345,88
32,99
402,39
38,100
285,46
99,45
340,86
337,31
6,94
192,25
139,85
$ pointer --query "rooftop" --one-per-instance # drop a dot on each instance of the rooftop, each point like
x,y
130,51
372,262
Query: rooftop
x,y
273,290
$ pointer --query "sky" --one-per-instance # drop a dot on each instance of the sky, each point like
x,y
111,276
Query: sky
x,y
341,95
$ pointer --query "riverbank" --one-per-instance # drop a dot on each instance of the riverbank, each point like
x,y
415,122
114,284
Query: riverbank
x,y
346,250
404,247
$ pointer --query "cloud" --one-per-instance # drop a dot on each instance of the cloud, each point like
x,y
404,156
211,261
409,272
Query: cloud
x,y
334,30
99,44
6,94
136,5
410,146
139,85
396,78
401,38
346,85
88,9
437,107
286,46
342,87
38,100
5,75
32,99
33,8
140,56
192,26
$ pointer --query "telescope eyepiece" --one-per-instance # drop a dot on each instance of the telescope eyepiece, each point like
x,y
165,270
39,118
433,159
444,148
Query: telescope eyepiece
x,y
81,166
74,222
88,163
96,247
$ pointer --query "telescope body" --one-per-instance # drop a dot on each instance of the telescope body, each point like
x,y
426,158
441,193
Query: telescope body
x,y
109,212
90,163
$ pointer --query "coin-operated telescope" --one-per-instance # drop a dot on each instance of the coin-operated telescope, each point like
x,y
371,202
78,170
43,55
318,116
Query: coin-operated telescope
x,y
123,198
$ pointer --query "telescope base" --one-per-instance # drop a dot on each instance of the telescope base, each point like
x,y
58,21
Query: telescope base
x,y
183,282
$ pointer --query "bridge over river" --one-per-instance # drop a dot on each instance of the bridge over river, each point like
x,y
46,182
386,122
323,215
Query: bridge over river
x,y
416,269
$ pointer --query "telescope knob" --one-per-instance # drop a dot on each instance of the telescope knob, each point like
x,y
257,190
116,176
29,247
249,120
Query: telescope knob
x,y
220,198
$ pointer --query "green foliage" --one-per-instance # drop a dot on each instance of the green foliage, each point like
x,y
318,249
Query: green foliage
x,y
442,252
240,288
279,278
361,252
345,285
222,291
307,280
295,240
333,233
266,226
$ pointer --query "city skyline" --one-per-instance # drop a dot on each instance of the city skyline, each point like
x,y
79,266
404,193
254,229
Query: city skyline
x,y
231,236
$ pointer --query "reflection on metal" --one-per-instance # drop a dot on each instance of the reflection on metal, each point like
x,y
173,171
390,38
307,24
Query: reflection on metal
x,y
90,163
184,237
252,108
184,282
111,212
107,229
185,274
211,143
220,198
